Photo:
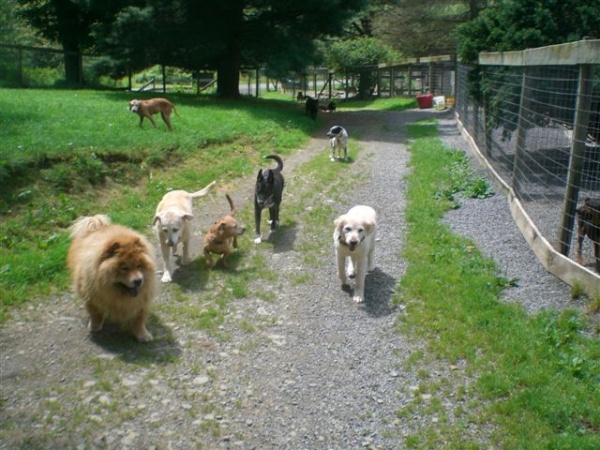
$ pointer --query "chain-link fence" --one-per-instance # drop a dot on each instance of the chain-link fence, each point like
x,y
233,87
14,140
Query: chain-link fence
x,y
535,118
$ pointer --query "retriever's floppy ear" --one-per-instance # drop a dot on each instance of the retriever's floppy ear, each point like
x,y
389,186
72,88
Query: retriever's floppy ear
x,y
339,224
156,219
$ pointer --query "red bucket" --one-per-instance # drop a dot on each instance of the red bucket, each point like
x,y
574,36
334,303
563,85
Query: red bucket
x,y
425,101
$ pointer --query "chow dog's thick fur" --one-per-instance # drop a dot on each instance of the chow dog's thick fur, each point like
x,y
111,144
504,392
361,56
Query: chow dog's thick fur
x,y
338,140
113,270
588,224
354,242
311,106
268,193
172,225
221,239
147,108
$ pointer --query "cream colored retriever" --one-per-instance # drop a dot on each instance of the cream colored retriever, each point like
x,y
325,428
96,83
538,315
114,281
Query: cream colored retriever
x,y
354,240
172,224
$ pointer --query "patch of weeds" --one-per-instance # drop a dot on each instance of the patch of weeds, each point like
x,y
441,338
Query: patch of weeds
x,y
577,291
462,181
593,306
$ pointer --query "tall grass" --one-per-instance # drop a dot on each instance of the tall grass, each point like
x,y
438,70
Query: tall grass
x,y
537,377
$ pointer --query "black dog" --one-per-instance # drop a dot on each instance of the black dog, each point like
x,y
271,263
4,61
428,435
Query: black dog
x,y
588,224
267,194
311,106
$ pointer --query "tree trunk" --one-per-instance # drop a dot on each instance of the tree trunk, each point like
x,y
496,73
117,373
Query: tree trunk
x,y
228,70
73,73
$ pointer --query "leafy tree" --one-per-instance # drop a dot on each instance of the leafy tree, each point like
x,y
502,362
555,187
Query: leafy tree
x,y
68,22
224,36
423,27
520,24
361,55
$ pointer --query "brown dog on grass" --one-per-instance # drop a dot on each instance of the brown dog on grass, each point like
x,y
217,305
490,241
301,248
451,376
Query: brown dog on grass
x,y
588,224
221,239
147,108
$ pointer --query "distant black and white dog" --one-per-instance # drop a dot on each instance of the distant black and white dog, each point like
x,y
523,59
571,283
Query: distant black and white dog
x,y
311,106
267,194
338,139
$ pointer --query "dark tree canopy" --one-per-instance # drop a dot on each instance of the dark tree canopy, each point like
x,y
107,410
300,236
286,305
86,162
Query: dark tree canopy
x,y
223,35
520,24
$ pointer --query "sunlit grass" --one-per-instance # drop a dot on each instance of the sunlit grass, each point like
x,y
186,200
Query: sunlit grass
x,y
536,376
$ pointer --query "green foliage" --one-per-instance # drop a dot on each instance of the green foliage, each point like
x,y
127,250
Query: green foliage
x,y
364,51
521,24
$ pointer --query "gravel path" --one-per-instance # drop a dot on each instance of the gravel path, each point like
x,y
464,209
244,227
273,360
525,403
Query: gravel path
x,y
317,371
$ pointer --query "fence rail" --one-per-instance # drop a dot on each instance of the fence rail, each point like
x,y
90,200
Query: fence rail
x,y
534,116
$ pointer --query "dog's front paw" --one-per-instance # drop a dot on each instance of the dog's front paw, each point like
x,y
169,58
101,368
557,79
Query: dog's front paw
x,y
144,336
166,278
358,298
257,240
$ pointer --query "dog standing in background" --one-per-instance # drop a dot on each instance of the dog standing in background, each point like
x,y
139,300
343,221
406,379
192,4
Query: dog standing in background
x,y
338,139
588,224
147,108
268,193
311,106
354,242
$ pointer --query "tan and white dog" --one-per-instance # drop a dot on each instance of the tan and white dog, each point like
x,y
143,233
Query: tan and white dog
x,y
172,224
354,241
147,108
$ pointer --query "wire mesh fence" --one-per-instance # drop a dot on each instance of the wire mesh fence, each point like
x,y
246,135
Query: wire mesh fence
x,y
535,116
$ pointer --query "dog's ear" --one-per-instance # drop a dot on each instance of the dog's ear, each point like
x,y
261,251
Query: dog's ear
x,y
220,229
156,219
187,217
259,176
339,223
110,251
271,177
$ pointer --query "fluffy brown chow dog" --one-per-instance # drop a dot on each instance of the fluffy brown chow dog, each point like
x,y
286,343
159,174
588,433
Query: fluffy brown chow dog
x,y
112,269
147,108
221,239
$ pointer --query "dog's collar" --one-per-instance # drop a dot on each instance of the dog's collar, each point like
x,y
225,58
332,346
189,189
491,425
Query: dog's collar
x,y
215,241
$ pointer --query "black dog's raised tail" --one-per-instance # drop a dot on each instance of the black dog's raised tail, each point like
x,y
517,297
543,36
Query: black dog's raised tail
x,y
278,159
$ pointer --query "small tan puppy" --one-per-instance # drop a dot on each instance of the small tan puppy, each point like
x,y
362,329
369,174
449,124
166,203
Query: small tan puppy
x,y
147,108
354,241
113,271
221,239
172,224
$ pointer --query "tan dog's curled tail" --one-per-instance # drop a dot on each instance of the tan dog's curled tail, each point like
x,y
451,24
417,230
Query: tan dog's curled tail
x,y
87,225
204,191
231,205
